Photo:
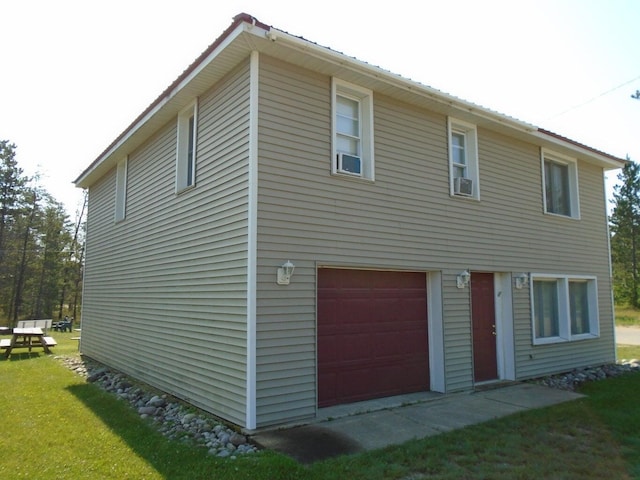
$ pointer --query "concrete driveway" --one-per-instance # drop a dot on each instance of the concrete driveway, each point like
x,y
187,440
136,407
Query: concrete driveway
x,y
628,335
381,427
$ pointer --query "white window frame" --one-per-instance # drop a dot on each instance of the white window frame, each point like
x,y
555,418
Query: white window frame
x,y
563,307
121,190
472,172
185,166
572,166
364,97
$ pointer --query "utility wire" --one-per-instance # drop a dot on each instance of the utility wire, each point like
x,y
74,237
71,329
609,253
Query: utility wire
x,y
592,99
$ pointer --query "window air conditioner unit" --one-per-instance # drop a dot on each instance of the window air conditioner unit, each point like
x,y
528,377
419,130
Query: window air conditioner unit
x,y
463,186
349,164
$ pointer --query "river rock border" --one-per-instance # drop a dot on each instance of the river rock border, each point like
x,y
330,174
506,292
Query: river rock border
x,y
172,417
573,379
177,421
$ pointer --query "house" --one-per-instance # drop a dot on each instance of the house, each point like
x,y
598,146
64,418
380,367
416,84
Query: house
x,y
287,228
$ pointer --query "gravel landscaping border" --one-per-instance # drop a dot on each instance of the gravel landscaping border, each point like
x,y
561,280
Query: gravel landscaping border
x,y
174,418
573,379
178,421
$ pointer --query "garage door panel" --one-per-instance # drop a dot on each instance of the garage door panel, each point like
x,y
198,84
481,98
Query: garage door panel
x,y
359,347
328,350
372,335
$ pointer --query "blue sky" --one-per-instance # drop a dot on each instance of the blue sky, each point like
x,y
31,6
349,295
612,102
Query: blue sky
x,y
76,73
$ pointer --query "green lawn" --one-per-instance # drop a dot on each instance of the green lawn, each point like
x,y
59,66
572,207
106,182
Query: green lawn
x,y
628,352
55,425
627,317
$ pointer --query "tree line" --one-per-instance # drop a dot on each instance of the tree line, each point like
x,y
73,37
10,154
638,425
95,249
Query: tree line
x,y
41,248
625,236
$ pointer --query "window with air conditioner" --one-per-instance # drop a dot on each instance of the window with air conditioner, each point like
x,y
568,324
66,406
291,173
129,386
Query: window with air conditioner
x,y
463,186
352,131
463,159
349,164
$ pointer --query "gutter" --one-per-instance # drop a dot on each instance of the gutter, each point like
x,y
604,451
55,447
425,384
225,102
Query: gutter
x,y
614,161
448,102
437,96
377,73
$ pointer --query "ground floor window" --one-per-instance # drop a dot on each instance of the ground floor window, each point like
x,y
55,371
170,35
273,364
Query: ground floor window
x,y
564,308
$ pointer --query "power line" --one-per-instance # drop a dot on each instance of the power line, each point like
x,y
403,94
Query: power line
x,y
595,98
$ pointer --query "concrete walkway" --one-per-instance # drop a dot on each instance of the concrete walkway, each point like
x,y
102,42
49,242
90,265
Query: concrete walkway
x,y
391,426
628,335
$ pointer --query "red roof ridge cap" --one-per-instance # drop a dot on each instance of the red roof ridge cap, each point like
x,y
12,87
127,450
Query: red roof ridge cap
x,y
578,144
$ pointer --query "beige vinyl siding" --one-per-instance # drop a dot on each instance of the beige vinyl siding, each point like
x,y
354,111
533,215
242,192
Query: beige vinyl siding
x,y
457,330
292,123
166,289
532,361
405,220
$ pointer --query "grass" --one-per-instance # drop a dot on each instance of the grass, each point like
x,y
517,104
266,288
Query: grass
x,y
628,352
627,316
55,425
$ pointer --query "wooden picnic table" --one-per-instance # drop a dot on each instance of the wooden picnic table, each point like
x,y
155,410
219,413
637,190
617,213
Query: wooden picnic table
x,y
27,338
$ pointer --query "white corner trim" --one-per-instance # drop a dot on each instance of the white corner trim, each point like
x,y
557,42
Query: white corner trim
x,y
252,241
166,97
505,326
435,326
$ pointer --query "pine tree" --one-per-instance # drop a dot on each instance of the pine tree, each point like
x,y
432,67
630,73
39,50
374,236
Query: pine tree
x,y
625,239
41,252
12,183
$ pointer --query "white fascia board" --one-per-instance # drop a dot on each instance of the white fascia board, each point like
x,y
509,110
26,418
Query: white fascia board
x,y
364,68
464,109
170,95
560,146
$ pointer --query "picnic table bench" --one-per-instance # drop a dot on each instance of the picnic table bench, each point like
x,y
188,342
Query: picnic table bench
x,y
44,324
27,338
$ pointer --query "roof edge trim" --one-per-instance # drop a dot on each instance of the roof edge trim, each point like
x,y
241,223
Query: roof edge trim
x,y
612,161
310,48
240,21
413,86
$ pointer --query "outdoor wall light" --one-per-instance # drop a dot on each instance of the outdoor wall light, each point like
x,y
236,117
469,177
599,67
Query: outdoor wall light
x,y
462,280
522,281
285,272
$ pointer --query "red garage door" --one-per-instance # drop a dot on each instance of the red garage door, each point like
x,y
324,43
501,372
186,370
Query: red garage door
x,y
372,335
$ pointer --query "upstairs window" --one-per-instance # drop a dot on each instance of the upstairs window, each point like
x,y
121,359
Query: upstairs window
x,y
564,308
560,178
121,190
186,148
352,131
463,159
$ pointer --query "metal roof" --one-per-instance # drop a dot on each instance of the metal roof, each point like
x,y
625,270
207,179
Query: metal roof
x,y
247,34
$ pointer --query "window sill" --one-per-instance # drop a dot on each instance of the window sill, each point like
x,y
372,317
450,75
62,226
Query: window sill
x,y
559,215
574,338
184,190
465,197
353,178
